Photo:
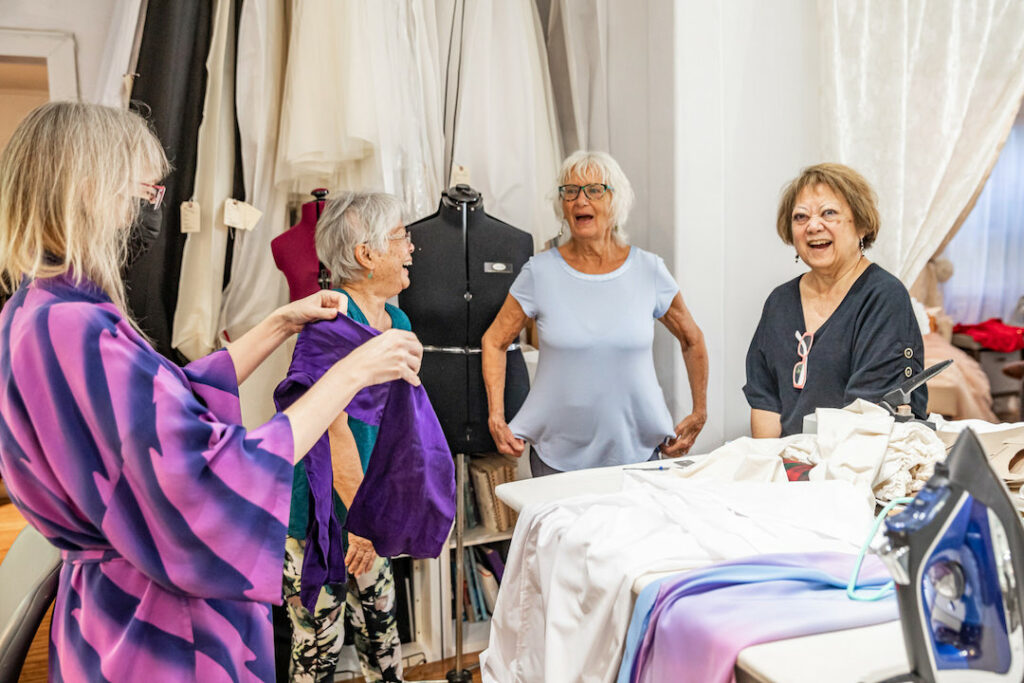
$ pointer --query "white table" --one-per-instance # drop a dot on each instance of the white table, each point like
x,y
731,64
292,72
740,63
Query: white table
x,y
870,653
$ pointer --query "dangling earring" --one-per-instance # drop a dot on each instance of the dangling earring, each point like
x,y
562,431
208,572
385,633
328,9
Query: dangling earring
x,y
369,276
862,245
796,257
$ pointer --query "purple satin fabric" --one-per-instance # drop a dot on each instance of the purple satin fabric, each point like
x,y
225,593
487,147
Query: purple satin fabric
x,y
700,622
406,503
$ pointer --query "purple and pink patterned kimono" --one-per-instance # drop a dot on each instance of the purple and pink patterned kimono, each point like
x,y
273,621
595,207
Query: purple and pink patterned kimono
x,y
170,516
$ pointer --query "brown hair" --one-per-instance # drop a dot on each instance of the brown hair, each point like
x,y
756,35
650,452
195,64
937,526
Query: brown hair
x,y
846,183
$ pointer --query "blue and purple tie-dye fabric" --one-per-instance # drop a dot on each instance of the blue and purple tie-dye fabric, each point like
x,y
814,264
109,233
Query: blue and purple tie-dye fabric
x,y
171,516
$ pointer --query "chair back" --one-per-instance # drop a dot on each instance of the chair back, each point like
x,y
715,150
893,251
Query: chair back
x,y
28,584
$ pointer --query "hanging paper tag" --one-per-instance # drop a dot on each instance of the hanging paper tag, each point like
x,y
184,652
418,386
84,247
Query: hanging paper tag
x,y
232,213
460,174
250,215
190,216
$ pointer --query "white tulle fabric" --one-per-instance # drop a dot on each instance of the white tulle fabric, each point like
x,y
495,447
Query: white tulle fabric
x,y
362,106
918,96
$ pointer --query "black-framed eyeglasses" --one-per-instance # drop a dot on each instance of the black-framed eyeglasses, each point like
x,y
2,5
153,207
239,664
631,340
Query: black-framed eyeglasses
x,y
593,191
406,235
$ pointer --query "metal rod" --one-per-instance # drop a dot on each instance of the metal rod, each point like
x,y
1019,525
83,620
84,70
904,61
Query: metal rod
x,y
460,482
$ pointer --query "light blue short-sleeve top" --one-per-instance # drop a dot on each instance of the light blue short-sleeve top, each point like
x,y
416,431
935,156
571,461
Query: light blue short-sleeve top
x,y
595,400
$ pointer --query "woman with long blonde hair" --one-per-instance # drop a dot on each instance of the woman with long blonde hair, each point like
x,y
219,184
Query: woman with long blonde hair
x,y
170,516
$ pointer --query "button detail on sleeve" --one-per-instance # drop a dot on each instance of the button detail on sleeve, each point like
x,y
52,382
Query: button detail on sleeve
x,y
908,352
908,372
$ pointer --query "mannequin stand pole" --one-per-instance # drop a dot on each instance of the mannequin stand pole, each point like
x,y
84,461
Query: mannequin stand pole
x,y
458,674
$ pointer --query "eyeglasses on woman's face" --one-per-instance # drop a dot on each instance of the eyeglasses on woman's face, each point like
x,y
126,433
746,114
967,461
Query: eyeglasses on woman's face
x,y
593,191
404,235
154,194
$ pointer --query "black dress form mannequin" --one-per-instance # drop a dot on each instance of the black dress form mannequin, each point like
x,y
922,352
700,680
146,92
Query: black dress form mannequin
x,y
294,252
459,280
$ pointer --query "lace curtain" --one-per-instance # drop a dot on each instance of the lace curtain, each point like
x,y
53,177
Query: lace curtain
x,y
918,95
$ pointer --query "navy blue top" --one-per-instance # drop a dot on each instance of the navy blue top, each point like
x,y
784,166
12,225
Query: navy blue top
x,y
869,345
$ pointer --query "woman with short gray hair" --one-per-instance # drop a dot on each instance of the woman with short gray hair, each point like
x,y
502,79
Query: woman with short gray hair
x,y
595,400
361,240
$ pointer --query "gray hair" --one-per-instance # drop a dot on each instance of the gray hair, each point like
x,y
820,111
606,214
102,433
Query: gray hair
x,y
608,170
69,177
351,219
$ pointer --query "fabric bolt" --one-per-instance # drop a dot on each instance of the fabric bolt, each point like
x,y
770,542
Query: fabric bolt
x,y
406,503
994,334
170,516
195,331
170,86
255,288
864,349
379,126
566,595
955,72
698,623
492,43
596,335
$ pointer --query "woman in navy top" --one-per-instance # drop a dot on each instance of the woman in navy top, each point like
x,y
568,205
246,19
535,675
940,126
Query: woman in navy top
x,y
842,331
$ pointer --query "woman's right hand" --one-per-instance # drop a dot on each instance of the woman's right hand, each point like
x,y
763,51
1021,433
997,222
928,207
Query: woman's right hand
x,y
395,354
506,442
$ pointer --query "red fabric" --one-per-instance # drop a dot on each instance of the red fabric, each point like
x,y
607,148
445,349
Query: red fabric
x,y
294,253
994,334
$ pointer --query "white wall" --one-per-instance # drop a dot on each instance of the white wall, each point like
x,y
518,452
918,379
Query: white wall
x,y
746,121
89,21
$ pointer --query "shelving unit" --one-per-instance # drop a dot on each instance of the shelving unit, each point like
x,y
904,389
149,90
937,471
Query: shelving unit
x,y
433,601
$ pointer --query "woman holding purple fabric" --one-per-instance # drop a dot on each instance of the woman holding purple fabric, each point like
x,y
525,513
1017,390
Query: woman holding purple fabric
x,y
361,240
171,517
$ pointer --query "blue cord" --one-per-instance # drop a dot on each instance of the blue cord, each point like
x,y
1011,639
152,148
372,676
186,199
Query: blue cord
x,y
884,591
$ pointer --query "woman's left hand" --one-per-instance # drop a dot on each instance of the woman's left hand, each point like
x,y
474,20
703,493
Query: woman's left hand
x,y
323,305
686,434
361,555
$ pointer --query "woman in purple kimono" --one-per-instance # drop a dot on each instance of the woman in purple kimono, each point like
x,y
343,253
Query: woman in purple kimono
x,y
171,517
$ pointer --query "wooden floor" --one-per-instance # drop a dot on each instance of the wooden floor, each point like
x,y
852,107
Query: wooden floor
x,y
433,672
35,669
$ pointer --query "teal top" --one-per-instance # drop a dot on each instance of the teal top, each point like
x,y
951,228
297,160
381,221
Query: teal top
x,y
364,434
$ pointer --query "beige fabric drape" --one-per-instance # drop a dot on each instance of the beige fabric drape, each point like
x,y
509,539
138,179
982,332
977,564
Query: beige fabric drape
x,y
918,96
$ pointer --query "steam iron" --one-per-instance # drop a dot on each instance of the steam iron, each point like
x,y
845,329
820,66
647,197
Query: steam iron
x,y
957,556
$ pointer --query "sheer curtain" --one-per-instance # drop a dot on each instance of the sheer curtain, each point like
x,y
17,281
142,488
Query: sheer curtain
x,y
988,251
917,96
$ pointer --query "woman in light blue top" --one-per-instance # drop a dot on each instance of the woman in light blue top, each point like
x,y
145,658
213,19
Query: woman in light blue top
x,y
595,400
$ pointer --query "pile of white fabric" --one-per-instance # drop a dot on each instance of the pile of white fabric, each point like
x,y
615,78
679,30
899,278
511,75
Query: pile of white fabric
x,y
860,443
566,595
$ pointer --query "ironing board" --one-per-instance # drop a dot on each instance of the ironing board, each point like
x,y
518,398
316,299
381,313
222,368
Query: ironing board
x,y
862,654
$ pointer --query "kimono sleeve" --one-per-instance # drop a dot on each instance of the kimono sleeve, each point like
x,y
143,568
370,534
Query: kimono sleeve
x,y
887,348
522,290
177,486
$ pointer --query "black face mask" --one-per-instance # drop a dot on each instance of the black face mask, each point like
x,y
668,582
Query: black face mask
x,y
143,231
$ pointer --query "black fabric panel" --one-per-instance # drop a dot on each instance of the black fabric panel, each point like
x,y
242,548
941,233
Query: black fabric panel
x,y
171,86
